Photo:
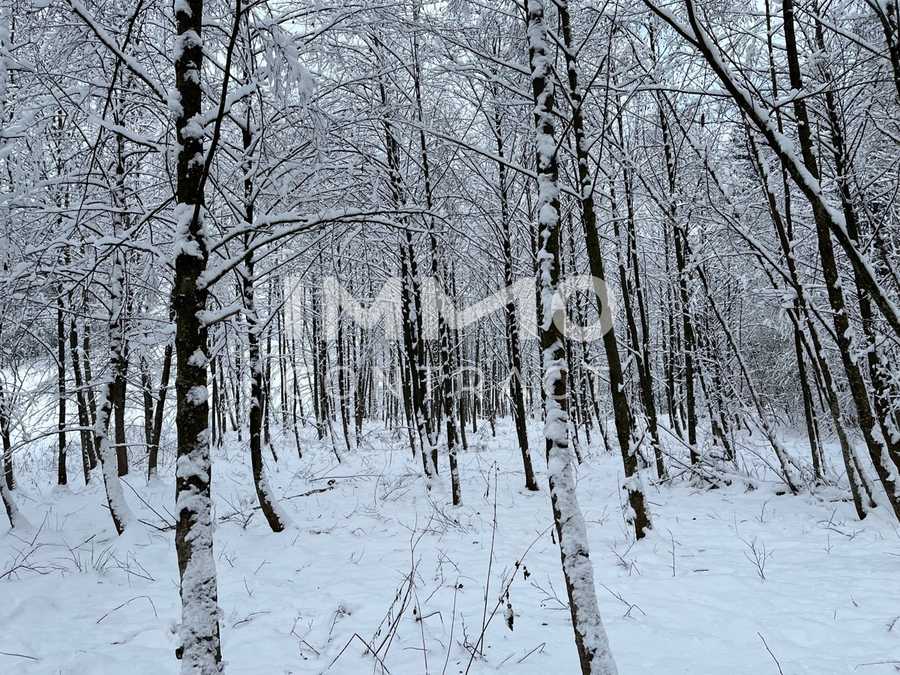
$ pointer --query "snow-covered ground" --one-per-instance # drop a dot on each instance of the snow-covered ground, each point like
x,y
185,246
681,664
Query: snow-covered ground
x,y
730,581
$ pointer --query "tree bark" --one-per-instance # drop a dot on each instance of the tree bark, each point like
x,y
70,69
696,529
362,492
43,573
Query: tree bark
x,y
5,423
61,473
200,647
158,410
637,512
118,507
88,457
591,642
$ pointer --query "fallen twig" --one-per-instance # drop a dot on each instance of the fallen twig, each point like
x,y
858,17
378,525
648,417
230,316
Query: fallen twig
x,y
766,645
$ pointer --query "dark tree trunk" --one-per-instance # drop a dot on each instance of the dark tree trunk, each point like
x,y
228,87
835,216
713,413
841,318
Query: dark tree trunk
x,y
644,349
680,242
62,477
88,457
88,375
153,450
267,502
621,409
263,491
119,384
5,424
200,647
147,399
445,354
513,345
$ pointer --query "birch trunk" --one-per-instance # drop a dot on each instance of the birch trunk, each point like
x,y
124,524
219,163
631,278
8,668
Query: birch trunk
x,y
590,636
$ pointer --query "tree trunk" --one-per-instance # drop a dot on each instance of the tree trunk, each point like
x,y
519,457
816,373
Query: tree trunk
x,y
446,355
118,507
513,345
590,637
88,375
88,457
5,423
153,450
680,242
267,502
644,349
61,474
200,647
621,409
16,519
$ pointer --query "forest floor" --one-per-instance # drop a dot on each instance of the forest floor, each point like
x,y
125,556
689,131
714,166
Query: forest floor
x,y
731,580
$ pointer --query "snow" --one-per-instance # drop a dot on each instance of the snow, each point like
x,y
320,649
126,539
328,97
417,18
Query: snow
x,y
189,39
687,599
197,395
198,358
108,464
182,6
193,128
16,519
185,243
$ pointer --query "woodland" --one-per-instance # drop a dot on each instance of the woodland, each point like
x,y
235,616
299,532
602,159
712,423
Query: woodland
x,y
449,337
